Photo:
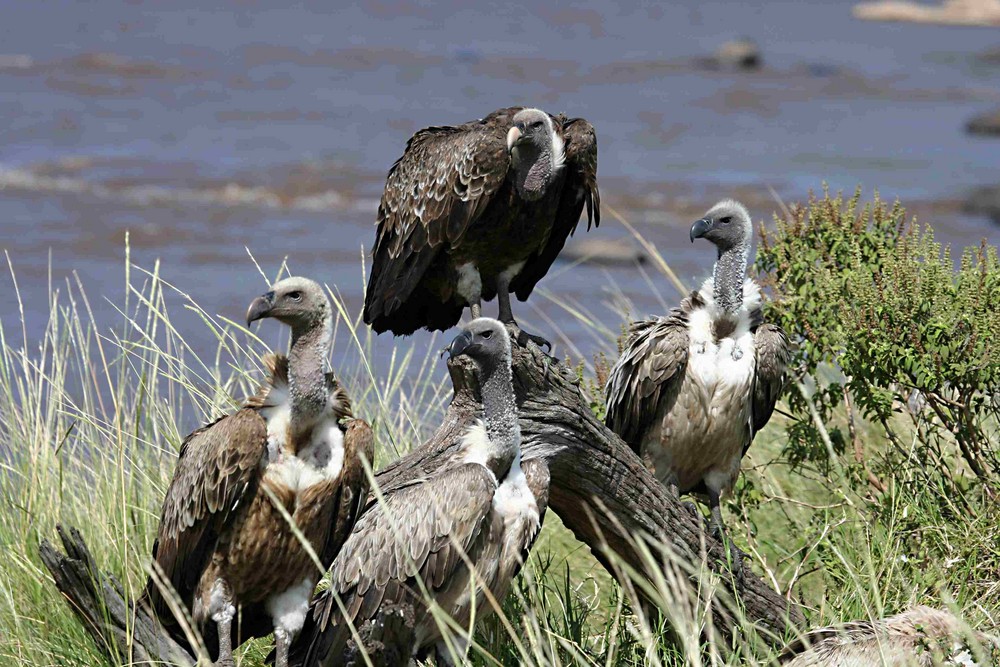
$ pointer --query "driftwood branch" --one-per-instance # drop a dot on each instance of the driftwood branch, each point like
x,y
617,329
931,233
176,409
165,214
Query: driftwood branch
x,y
599,488
124,632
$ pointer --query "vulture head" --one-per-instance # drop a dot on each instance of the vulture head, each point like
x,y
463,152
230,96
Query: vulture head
x,y
485,341
536,152
298,302
727,225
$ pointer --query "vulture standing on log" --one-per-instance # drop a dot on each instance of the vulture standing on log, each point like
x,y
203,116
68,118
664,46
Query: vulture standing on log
x,y
223,544
693,388
483,505
475,211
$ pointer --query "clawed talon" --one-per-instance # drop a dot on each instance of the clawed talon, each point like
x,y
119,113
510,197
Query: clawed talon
x,y
736,564
524,337
736,556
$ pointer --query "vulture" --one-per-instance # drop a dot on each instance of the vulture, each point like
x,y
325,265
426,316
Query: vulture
x,y
478,210
223,543
918,637
692,389
482,507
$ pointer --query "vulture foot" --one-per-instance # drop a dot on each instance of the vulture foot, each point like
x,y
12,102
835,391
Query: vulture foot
x,y
693,509
674,488
523,338
736,556
718,530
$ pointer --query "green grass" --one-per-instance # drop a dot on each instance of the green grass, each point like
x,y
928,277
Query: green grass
x,y
92,414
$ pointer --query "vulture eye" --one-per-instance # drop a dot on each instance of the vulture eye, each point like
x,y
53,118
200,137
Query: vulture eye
x,y
537,123
487,334
295,296
726,219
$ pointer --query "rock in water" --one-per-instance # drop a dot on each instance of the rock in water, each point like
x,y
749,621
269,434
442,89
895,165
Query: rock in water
x,y
984,200
987,123
740,53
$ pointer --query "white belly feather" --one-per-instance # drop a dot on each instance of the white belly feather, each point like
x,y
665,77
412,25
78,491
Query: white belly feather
x,y
702,436
515,502
321,460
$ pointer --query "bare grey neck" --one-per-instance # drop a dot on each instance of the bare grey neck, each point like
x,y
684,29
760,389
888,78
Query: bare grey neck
x,y
500,409
307,361
532,169
728,276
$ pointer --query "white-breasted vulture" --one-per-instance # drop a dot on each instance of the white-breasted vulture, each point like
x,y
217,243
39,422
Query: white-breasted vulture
x,y
476,211
691,389
225,545
482,507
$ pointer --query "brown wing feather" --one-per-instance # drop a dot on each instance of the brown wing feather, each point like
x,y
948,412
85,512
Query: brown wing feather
x,y
391,544
276,366
536,474
433,194
579,190
773,353
353,489
218,467
650,369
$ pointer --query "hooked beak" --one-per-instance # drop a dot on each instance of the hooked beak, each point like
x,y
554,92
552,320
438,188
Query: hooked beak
x,y
260,307
700,228
513,137
459,345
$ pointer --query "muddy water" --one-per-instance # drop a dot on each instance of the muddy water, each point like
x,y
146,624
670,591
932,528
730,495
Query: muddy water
x,y
208,132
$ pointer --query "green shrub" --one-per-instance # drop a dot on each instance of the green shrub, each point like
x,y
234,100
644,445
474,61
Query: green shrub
x,y
883,322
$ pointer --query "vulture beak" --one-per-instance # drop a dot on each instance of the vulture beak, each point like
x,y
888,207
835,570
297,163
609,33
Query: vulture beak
x,y
700,228
459,345
513,137
260,307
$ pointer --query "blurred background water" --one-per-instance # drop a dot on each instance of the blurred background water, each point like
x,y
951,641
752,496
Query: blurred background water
x,y
208,131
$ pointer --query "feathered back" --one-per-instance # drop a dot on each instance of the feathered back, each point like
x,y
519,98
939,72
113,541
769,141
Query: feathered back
x,y
918,637
273,390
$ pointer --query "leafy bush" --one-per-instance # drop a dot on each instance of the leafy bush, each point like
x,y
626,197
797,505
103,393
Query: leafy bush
x,y
884,322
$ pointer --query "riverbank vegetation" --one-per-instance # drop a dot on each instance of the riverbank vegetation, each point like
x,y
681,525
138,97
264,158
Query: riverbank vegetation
x,y
874,488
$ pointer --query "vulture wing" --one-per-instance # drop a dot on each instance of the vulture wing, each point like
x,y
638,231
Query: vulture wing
x,y
650,371
433,194
219,466
579,190
773,353
353,488
536,474
422,530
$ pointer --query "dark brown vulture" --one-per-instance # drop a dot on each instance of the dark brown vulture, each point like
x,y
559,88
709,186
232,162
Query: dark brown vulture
x,y
693,388
482,504
478,210
223,544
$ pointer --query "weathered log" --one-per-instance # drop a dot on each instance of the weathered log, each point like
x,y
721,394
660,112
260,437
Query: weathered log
x,y
124,632
599,488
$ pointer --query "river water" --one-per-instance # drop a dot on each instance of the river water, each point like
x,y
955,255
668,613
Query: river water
x,y
207,132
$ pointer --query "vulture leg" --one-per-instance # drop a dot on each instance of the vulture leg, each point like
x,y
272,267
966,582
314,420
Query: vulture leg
x,y
674,487
476,309
719,531
281,643
223,615
507,316
445,658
